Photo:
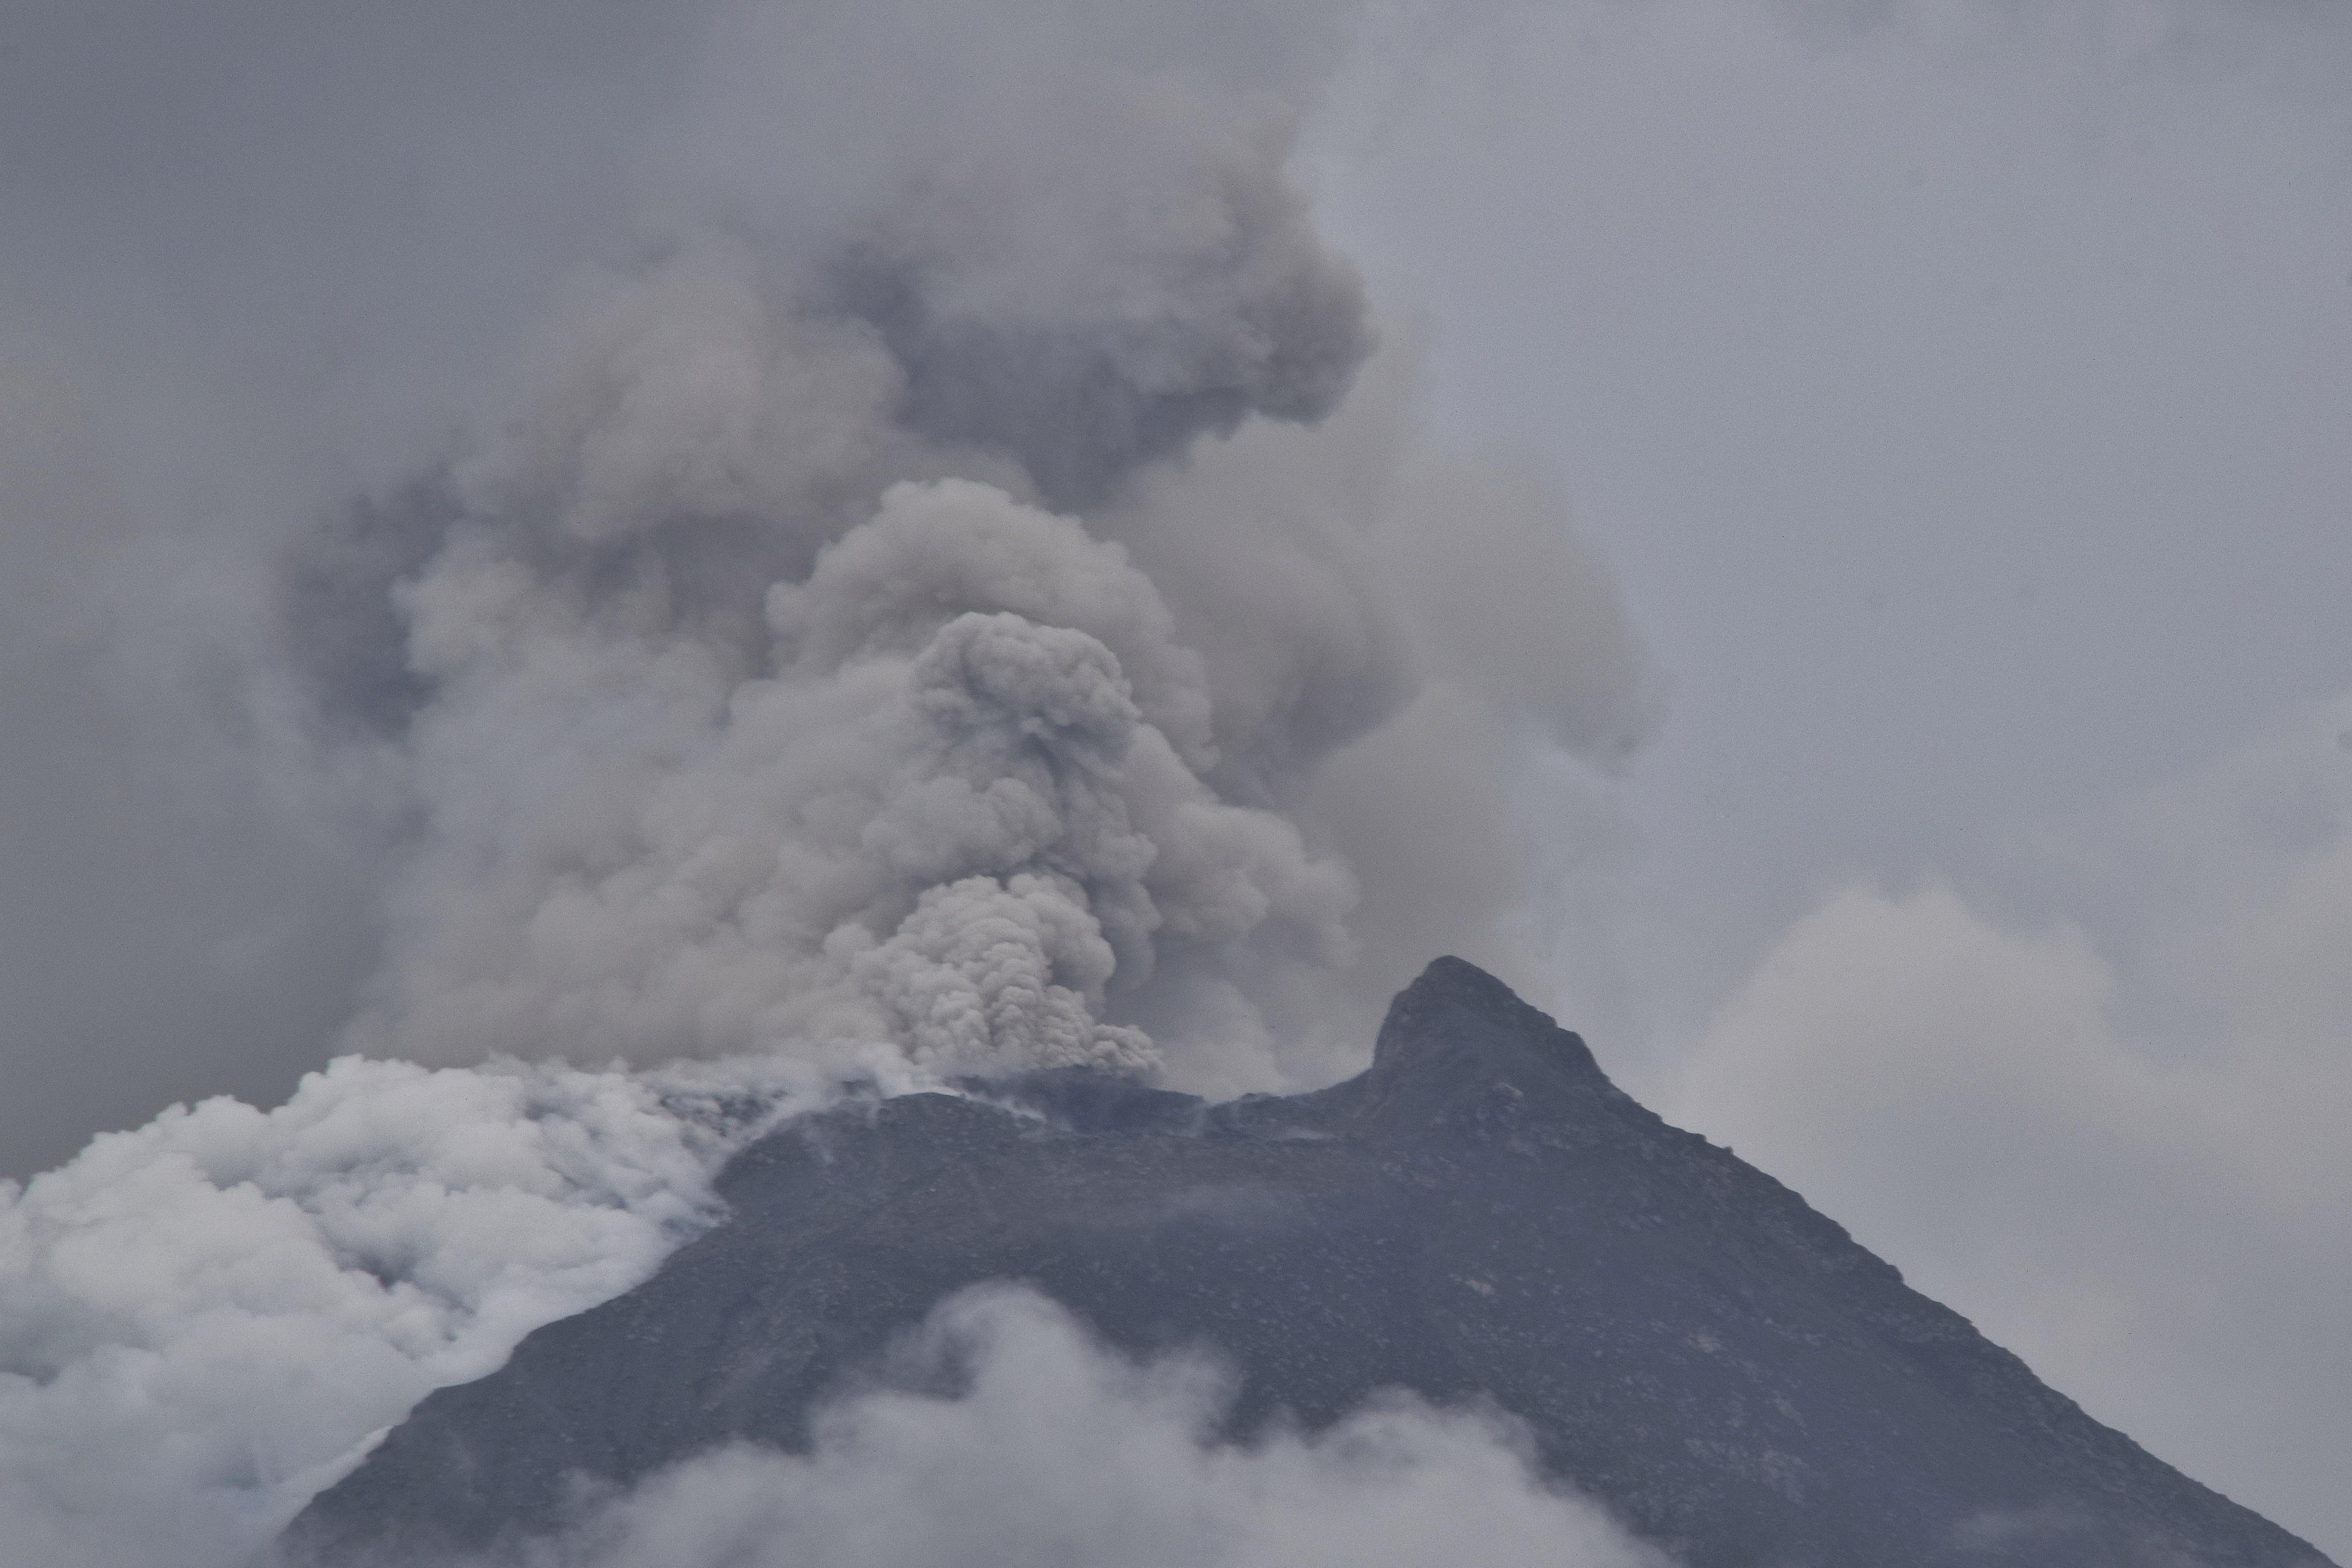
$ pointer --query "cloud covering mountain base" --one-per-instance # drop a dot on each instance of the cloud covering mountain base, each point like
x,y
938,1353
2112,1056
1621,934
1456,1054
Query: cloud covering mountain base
x,y
1053,1448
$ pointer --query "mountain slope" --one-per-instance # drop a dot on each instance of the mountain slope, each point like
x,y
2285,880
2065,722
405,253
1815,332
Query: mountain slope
x,y
1481,1213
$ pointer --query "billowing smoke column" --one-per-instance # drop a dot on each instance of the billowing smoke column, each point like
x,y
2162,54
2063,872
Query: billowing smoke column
x,y
963,797
914,627
960,593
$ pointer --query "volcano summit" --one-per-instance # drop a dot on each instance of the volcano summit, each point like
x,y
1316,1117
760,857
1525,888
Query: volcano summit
x,y
1480,1218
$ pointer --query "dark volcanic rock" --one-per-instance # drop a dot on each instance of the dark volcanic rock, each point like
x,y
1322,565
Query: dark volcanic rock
x,y
1481,1213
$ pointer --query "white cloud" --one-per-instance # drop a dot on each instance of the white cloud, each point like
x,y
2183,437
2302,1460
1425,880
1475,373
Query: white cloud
x,y
1057,1450
2153,1217
205,1320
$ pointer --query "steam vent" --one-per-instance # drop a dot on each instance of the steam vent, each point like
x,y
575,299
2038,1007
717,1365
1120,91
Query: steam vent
x,y
1481,1217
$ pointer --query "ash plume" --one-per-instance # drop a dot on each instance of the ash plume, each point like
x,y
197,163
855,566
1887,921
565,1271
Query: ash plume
x,y
920,603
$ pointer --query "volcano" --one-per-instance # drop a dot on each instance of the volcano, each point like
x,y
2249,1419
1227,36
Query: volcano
x,y
1480,1218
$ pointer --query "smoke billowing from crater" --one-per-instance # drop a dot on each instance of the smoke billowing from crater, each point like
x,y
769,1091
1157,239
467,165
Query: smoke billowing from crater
x,y
957,604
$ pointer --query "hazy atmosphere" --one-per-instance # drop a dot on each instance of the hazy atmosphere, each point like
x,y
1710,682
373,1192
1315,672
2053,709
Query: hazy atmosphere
x,y
610,570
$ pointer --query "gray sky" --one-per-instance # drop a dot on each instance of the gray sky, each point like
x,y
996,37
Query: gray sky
x,y
1959,395
1961,401
1962,396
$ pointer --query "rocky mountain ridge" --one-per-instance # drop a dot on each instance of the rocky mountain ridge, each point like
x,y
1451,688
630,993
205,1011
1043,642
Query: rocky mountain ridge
x,y
1481,1216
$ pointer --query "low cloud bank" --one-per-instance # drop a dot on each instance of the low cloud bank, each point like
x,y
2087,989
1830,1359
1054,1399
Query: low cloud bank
x,y
1054,1450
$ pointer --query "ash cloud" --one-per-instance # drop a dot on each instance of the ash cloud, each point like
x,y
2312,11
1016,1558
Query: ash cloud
x,y
461,743
942,822
920,600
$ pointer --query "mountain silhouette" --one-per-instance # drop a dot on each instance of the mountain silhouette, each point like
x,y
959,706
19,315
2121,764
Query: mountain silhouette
x,y
1481,1216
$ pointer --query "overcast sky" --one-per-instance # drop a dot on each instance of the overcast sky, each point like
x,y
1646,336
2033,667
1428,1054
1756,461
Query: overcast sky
x,y
1960,393
1960,398
1963,394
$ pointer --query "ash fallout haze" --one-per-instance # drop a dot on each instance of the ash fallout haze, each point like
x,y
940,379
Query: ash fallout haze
x,y
579,582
